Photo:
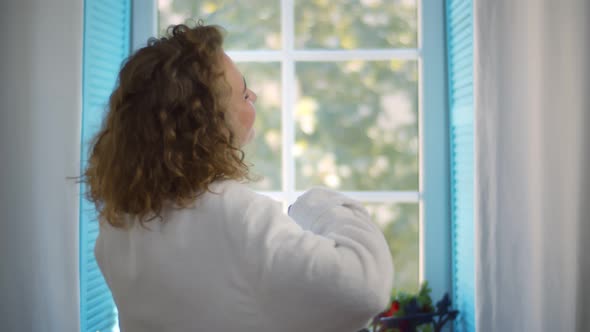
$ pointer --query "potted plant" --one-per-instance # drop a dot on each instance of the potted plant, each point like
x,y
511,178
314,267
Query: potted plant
x,y
414,313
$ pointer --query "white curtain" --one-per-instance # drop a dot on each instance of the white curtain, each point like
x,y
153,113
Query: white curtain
x,y
40,112
532,101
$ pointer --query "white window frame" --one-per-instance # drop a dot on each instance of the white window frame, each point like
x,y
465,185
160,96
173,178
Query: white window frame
x,y
433,193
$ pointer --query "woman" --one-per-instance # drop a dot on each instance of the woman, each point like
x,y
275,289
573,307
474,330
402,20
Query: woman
x,y
184,245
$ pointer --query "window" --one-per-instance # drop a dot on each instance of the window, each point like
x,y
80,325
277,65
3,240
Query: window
x,y
338,86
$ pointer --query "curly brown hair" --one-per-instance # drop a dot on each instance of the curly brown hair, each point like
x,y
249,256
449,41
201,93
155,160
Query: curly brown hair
x,y
165,137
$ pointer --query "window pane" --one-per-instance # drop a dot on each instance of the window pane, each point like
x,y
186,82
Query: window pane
x,y
252,24
350,24
399,223
265,151
357,125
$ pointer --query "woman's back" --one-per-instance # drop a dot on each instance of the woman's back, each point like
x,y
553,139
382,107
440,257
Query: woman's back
x,y
179,272
234,262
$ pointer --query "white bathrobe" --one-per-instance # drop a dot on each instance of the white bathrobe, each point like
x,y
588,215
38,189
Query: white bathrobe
x,y
235,262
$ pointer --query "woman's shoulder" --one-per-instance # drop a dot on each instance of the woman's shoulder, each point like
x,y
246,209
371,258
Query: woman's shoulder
x,y
235,201
230,189
232,193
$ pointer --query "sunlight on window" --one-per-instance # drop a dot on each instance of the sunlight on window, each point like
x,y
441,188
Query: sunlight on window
x,y
366,120
348,25
399,223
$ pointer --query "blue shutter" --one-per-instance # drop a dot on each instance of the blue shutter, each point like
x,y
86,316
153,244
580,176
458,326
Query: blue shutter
x,y
459,17
106,45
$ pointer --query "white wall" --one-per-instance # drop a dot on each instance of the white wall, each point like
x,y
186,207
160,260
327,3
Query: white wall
x,y
40,112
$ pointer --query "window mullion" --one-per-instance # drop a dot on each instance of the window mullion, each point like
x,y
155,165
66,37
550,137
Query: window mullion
x,y
386,197
263,56
321,55
348,55
288,100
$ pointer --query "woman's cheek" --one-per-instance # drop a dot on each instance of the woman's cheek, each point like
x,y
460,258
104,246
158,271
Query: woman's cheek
x,y
247,118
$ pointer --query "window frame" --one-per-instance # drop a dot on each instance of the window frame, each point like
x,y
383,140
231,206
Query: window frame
x,y
433,195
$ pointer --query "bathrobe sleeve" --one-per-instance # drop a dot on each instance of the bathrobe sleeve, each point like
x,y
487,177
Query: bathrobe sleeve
x,y
323,267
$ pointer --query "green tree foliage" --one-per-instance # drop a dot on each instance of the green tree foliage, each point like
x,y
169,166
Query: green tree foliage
x,y
356,122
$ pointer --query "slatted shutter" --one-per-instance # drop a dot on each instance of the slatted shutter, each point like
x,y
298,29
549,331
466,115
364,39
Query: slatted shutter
x,y
106,45
459,17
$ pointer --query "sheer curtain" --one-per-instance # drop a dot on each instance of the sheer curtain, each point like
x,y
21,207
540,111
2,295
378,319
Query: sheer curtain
x,y
40,110
532,101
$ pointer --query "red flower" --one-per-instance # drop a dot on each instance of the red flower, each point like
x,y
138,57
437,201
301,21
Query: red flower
x,y
392,310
